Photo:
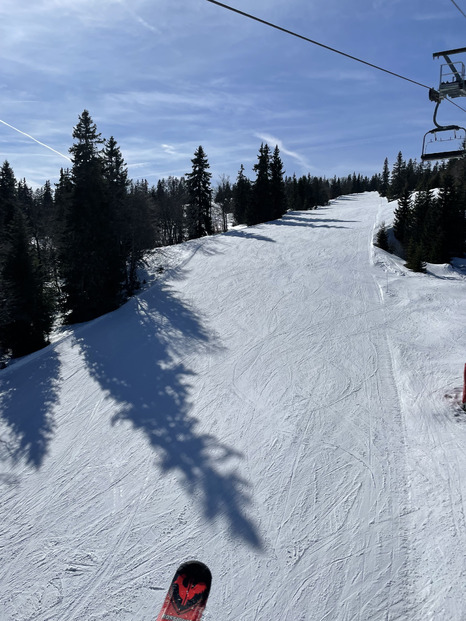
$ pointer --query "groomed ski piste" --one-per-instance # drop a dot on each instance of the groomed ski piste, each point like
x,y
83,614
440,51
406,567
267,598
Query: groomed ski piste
x,y
280,404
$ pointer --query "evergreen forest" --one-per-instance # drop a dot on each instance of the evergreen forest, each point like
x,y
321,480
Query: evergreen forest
x,y
72,252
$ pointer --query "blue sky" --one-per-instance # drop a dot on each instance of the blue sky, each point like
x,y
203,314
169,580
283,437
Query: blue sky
x,y
165,76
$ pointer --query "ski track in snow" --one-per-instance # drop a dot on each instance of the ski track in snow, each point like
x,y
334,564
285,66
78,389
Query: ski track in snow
x,y
280,404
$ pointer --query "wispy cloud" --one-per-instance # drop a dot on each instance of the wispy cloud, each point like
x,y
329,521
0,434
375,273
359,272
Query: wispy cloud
x,y
273,141
185,97
429,17
164,77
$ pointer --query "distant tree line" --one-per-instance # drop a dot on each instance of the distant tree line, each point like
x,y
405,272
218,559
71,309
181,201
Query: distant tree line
x,y
72,252
431,228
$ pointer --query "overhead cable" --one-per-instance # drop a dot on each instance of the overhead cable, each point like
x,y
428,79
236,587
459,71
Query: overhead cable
x,y
327,47
455,104
460,10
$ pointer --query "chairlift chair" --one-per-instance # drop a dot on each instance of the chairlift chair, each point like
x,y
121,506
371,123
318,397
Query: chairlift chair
x,y
452,84
454,135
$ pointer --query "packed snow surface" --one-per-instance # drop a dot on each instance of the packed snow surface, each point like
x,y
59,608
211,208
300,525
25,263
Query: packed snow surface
x,y
281,404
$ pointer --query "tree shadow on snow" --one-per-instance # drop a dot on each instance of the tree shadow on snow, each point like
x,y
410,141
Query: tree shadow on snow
x,y
347,197
26,407
140,360
247,234
305,221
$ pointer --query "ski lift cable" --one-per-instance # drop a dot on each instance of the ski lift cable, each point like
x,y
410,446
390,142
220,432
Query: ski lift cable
x,y
455,104
327,47
459,9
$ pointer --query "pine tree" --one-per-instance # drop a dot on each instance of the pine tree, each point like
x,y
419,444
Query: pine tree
x,y
139,236
115,174
224,198
453,218
385,180
45,212
241,197
357,185
398,178
169,200
8,195
89,250
26,308
259,209
335,188
433,235
403,220
277,186
422,204
306,192
411,174
382,237
320,192
375,183
414,256
199,209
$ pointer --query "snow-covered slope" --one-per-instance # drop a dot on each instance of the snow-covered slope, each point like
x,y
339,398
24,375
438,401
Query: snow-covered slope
x,y
275,406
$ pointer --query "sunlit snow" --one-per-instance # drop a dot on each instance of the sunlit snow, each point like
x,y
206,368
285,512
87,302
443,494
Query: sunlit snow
x,y
281,404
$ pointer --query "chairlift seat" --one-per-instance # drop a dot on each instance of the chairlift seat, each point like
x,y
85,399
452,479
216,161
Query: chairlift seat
x,y
442,155
452,84
455,88
443,135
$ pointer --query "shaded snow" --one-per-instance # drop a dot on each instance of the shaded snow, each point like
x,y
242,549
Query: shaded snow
x,y
278,404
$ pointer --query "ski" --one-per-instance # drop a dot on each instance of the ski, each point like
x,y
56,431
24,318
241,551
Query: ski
x,y
187,596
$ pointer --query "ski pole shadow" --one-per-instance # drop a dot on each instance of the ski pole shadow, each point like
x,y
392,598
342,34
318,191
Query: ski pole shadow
x,y
141,363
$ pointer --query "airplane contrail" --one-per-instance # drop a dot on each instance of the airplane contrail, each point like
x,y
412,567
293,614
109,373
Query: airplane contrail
x,y
35,140
138,18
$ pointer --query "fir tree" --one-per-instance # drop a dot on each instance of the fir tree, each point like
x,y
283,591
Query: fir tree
x,y
335,188
422,204
139,236
306,192
375,183
115,174
411,174
453,218
385,180
382,237
398,178
224,198
433,235
199,209
320,191
89,248
8,195
259,209
277,186
169,200
414,256
403,221
241,197
26,309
